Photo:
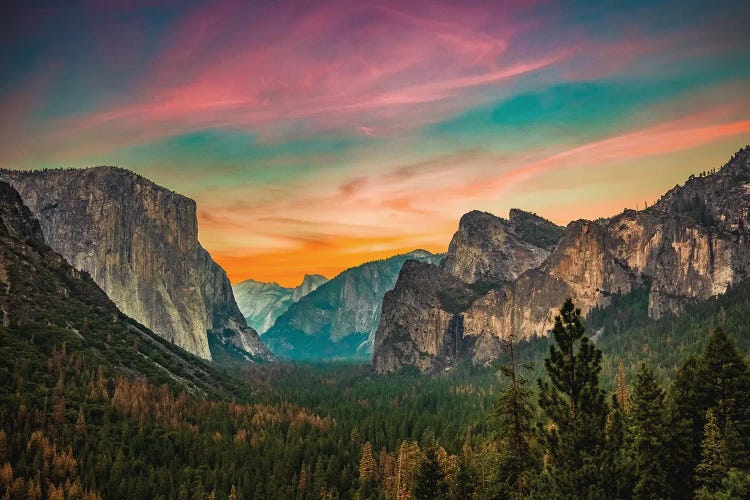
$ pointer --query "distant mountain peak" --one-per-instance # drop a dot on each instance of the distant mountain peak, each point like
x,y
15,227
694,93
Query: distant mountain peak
x,y
488,248
419,253
339,318
309,283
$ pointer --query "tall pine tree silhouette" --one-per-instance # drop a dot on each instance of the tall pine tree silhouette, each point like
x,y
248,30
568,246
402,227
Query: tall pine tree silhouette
x,y
514,411
576,408
648,436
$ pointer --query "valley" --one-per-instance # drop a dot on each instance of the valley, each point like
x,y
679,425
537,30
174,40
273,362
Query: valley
x,y
382,250
98,405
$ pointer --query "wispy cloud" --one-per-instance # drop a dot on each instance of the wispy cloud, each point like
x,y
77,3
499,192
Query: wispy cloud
x,y
316,135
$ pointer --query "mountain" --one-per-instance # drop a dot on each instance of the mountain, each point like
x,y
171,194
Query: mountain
x,y
50,307
261,303
422,322
139,242
339,318
689,246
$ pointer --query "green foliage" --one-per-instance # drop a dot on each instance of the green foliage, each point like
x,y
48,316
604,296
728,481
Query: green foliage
x,y
648,436
575,406
515,414
712,469
93,403
717,381
429,480
665,343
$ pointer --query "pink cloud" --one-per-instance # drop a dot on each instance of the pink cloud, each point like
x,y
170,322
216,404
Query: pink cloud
x,y
333,65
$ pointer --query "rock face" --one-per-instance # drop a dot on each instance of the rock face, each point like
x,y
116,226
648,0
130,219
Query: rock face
x,y
426,320
139,242
489,249
261,303
339,318
691,245
43,296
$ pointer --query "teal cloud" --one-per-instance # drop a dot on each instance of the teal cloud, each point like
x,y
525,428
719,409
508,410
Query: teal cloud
x,y
579,111
230,156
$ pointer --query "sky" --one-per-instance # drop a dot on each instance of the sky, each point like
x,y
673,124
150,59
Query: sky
x,y
315,136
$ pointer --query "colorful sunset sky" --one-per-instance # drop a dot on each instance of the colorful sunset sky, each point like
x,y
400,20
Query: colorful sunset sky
x,y
319,135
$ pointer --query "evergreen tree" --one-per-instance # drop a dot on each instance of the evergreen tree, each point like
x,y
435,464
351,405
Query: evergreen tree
x,y
648,436
367,466
367,473
722,384
465,483
684,443
514,412
622,387
576,408
618,471
717,381
429,480
713,467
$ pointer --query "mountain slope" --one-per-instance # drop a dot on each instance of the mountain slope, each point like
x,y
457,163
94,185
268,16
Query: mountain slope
x,y
338,319
261,303
689,246
48,306
139,242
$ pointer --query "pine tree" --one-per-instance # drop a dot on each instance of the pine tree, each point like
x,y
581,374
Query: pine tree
x,y
367,473
648,436
465,483
722,380
367,466
234,494
713,466
575,404
429,479
618,474
622,387
717,381
683,445
407,462
514,412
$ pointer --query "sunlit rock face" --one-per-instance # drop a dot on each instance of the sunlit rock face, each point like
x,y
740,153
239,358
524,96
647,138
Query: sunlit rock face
x,y
139,242
691,245
487,248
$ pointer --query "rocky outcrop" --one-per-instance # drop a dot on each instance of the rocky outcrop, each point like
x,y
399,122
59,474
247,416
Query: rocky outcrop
x,y
338,319
139,242
420,319
261,303
421,315
689,246
487,248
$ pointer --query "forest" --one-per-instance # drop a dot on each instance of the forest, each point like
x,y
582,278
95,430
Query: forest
x,y
554,418
94,405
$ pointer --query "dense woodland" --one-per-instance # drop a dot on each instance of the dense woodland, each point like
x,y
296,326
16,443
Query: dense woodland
x,y
72,429
92,405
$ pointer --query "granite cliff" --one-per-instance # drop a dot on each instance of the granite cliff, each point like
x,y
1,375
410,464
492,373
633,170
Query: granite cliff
x,y
47,305
690,245
139,243
261,303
